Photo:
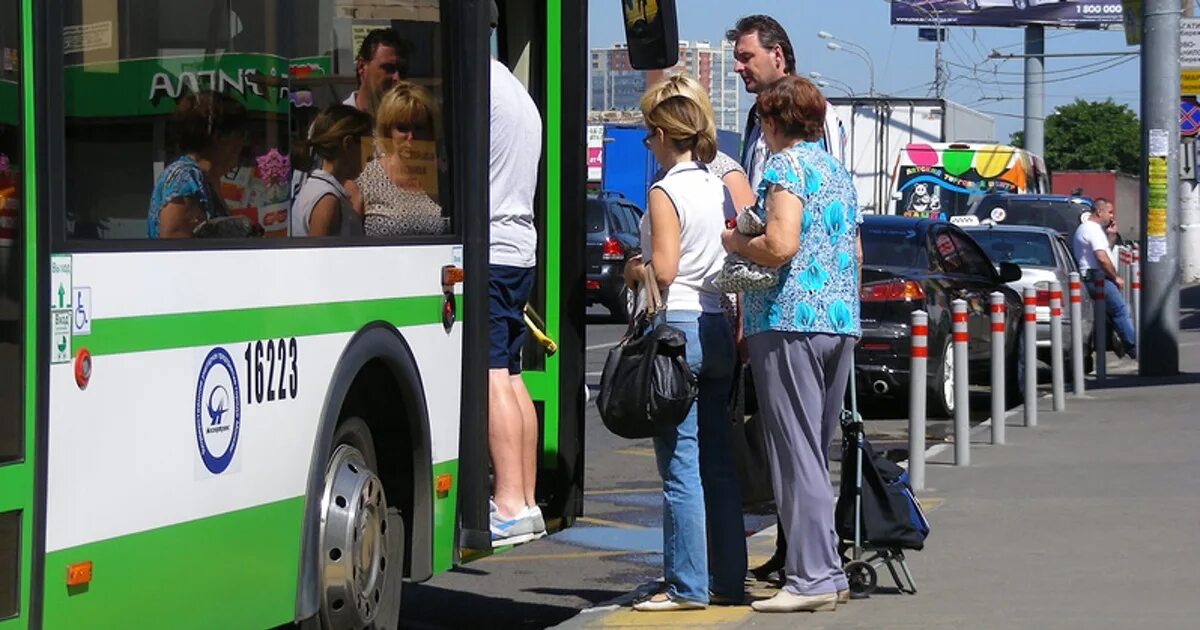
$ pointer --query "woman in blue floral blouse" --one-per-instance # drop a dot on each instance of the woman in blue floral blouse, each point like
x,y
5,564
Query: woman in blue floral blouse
x,y
801,332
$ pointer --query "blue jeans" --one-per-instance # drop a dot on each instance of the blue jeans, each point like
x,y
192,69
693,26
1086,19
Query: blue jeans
x,y
1118,312
700,486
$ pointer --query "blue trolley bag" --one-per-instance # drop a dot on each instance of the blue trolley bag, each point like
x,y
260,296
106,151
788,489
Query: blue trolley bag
x,y
891,515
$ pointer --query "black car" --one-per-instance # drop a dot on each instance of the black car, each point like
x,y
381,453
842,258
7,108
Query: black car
x,y
613,237
911,264
1061,213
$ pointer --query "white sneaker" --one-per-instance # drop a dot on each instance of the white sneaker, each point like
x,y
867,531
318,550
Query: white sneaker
x,y
539,522
513,531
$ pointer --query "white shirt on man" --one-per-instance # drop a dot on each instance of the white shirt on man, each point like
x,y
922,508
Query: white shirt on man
x,y
1089,238
700,200
516,149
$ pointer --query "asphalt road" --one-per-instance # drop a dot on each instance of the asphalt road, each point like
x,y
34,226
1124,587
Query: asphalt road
x,y
616,546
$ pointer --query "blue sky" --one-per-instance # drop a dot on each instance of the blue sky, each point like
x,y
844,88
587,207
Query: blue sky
x,y
904,66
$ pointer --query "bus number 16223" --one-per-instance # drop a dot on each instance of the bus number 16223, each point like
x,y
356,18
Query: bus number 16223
x,y
274,364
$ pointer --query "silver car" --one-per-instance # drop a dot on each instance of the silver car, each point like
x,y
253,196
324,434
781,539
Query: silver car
x,y
1044,257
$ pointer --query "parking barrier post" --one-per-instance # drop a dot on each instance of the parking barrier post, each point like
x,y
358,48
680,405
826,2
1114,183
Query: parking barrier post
x,y
1100,325
1031,375
998,371
1056,347
916,399
1135,292
1076,288
962,402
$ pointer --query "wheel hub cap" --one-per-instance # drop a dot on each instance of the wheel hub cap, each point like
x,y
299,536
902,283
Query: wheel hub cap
x,y
353,541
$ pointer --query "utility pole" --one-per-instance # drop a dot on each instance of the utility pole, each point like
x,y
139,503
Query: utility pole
x,y
1158,339
1035,89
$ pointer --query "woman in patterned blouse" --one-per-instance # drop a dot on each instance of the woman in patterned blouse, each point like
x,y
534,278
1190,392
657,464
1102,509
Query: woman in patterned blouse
x,y
398,185
801,332
210,129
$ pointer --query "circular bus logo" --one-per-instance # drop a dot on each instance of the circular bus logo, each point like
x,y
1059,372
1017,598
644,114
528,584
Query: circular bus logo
x,y
218,410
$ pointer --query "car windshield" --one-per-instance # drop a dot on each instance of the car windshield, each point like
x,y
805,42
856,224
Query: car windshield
x,y
595,216
890,246
1061,216
1020,248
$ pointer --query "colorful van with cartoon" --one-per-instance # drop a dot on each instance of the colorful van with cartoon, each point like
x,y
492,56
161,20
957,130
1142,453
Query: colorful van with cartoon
x,y
943,180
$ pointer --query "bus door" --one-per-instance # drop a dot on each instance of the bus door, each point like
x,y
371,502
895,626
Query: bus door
x,y
17,533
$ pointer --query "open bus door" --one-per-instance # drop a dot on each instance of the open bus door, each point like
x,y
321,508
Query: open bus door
x,y
17,528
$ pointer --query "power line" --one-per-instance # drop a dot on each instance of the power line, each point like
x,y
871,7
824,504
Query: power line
x,y
1048,72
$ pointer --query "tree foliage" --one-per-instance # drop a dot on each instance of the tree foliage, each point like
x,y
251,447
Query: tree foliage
x,y
1091,136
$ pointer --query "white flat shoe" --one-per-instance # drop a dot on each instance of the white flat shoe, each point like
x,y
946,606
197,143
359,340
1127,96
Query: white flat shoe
x,y
784,601
662,602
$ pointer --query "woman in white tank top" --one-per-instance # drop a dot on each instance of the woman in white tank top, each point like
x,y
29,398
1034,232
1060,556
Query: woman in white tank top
x,y
334,153
681,239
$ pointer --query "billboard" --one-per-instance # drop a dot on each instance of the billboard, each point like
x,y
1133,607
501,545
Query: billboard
x,y
1063,13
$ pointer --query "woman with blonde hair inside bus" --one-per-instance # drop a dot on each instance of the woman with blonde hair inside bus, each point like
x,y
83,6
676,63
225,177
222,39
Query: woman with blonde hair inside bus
x,y
681,241
332,154
396,186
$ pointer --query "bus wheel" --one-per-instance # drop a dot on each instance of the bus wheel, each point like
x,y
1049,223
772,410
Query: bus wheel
x,y
362,539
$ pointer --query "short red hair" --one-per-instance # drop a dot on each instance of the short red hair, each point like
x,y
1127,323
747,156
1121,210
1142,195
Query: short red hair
x,y
796,105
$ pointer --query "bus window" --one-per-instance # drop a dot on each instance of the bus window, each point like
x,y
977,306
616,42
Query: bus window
x,y
131,67
387,59
11,251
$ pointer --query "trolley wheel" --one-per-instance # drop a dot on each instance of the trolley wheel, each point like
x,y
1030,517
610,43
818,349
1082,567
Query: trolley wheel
x,y
862,578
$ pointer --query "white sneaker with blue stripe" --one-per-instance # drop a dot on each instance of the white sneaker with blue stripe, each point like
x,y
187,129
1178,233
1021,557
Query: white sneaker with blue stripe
x,y
539,522
513,531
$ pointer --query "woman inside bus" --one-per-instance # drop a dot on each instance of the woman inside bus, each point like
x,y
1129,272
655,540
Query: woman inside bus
x,y
681,240
801,333
209,127
333,152
395,203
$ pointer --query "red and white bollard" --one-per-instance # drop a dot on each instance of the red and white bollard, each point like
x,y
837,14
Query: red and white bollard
x,y
962,402
1056,347
1031,357
1076,333
998,375
1100,325
1135,293
917,378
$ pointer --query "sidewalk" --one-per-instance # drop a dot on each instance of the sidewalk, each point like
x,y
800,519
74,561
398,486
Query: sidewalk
x,y
1090,520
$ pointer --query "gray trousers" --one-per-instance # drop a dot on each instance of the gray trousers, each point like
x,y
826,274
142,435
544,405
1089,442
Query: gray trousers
x,y
801,383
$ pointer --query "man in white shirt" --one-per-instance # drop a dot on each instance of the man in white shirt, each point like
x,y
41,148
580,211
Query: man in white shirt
x,y
379,64
1091,248
763,55
516,149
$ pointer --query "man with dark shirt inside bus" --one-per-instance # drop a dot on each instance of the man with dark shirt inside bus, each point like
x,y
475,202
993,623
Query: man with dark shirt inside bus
x,y
380,63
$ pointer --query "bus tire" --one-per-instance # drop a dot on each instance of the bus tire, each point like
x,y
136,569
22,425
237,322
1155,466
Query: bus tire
x,y
361,538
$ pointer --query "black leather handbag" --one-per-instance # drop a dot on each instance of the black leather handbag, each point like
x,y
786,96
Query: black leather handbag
x,y
646,383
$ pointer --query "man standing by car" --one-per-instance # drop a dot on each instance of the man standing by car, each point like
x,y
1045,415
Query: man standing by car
x,y
1091,248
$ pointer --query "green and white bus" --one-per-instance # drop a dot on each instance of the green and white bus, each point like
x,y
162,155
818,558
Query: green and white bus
x,y
247,433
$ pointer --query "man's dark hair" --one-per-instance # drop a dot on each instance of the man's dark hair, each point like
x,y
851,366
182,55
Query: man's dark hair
x,y
380,37
1101,200
200,118
770,35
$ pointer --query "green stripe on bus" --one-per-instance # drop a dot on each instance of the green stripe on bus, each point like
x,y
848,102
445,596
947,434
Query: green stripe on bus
x,y
186,330
233,570
554,245
444,517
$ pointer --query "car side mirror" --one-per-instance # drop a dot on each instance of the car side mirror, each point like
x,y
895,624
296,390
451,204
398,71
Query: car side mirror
x,y
1010,272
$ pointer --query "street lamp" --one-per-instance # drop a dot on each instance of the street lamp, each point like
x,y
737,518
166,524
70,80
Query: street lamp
x,y
837,83
837,43
825,84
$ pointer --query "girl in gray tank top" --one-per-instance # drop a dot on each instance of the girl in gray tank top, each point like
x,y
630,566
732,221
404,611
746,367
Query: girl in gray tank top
x,y
334,153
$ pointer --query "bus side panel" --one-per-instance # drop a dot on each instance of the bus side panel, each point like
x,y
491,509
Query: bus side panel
x,y
181,468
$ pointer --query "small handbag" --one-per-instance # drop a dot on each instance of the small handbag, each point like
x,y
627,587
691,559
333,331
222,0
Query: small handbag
x,y
646,383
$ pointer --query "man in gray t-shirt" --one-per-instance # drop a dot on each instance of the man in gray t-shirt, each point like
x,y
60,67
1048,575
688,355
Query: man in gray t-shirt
x,y
516,147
